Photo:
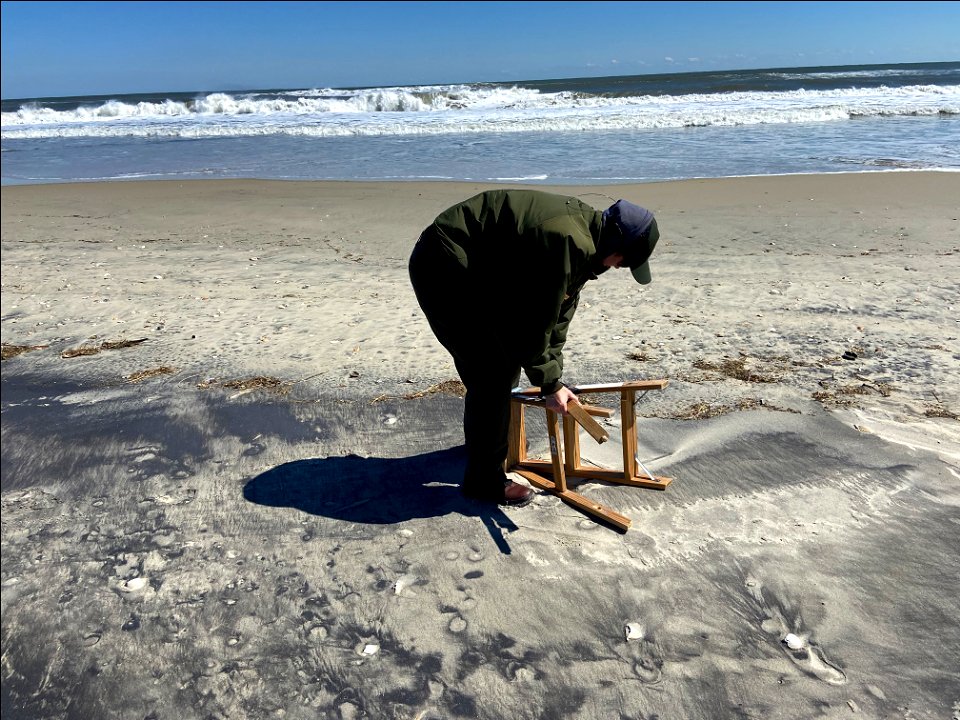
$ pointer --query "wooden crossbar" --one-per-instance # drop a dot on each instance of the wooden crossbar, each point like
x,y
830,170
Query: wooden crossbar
x,y
565,461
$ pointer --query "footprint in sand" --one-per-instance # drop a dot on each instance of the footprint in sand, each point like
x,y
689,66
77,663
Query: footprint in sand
x,y
807,657
648,671
810,659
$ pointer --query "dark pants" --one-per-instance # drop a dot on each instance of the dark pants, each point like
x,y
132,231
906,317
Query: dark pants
x,y
471,324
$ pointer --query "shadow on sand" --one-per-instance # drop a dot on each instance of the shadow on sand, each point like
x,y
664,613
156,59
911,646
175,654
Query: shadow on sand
x,y
378,491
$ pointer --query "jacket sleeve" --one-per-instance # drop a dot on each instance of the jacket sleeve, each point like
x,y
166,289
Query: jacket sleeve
x,y
564,241
546,369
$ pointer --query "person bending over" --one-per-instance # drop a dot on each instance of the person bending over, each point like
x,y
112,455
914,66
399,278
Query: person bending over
x,y
498,277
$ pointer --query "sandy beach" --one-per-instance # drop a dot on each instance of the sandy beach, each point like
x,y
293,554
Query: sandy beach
x,y
230,449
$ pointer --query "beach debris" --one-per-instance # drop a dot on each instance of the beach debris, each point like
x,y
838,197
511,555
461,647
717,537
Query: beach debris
x,y
132,623
402,582
849,355
735,368
133,585
843,395
145,374
633,631
794,642
447,387
939,411
246,385
370,649
389,420
9,351
83,350
704,411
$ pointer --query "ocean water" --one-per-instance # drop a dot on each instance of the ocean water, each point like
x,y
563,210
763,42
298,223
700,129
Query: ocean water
x,y
567,131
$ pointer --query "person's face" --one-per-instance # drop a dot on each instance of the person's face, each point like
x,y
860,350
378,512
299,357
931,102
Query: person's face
x,y
613,261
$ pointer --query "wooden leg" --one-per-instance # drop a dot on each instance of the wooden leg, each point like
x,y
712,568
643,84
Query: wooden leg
x,y
556,451
628,420
571,445
517,448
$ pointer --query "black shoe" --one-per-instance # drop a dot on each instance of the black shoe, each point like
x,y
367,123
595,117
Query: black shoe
x,y
511,494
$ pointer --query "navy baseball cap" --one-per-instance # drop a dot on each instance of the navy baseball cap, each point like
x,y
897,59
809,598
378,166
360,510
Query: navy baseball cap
x,y
639,233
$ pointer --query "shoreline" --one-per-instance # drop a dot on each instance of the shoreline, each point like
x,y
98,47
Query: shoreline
x,y
522,182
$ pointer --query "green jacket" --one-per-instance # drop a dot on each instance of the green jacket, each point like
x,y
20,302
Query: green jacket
x,y
527,254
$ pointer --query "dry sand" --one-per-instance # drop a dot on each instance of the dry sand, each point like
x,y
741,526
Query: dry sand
x,y
230,454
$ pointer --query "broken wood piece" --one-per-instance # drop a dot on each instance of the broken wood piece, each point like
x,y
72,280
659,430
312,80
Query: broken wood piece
x,y
587,423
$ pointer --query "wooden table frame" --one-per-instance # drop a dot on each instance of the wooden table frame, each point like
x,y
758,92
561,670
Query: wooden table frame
x,y
565,456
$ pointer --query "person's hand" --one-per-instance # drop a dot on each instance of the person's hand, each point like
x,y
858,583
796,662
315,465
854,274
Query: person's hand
x,y
558,400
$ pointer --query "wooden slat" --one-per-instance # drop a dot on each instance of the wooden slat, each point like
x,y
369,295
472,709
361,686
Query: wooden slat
x,y
588,423
528,392
617,387
556,450
597,411
618,477
543,466
594,410
571,444
536,479
658,384
628,424
517,448
587,473
578,501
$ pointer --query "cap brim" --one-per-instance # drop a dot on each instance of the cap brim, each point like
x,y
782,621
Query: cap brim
x,y
641,273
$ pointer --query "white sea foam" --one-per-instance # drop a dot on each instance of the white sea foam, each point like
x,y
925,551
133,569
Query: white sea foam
x,y
438,110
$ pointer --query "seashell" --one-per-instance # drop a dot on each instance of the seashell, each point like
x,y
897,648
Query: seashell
x,y
134,584
794,642
633,631
402,582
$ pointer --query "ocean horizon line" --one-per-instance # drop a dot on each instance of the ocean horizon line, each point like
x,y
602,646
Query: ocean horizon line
x,y
522,81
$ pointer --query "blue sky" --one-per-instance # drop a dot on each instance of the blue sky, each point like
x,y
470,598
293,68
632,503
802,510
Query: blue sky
x,y
86,48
